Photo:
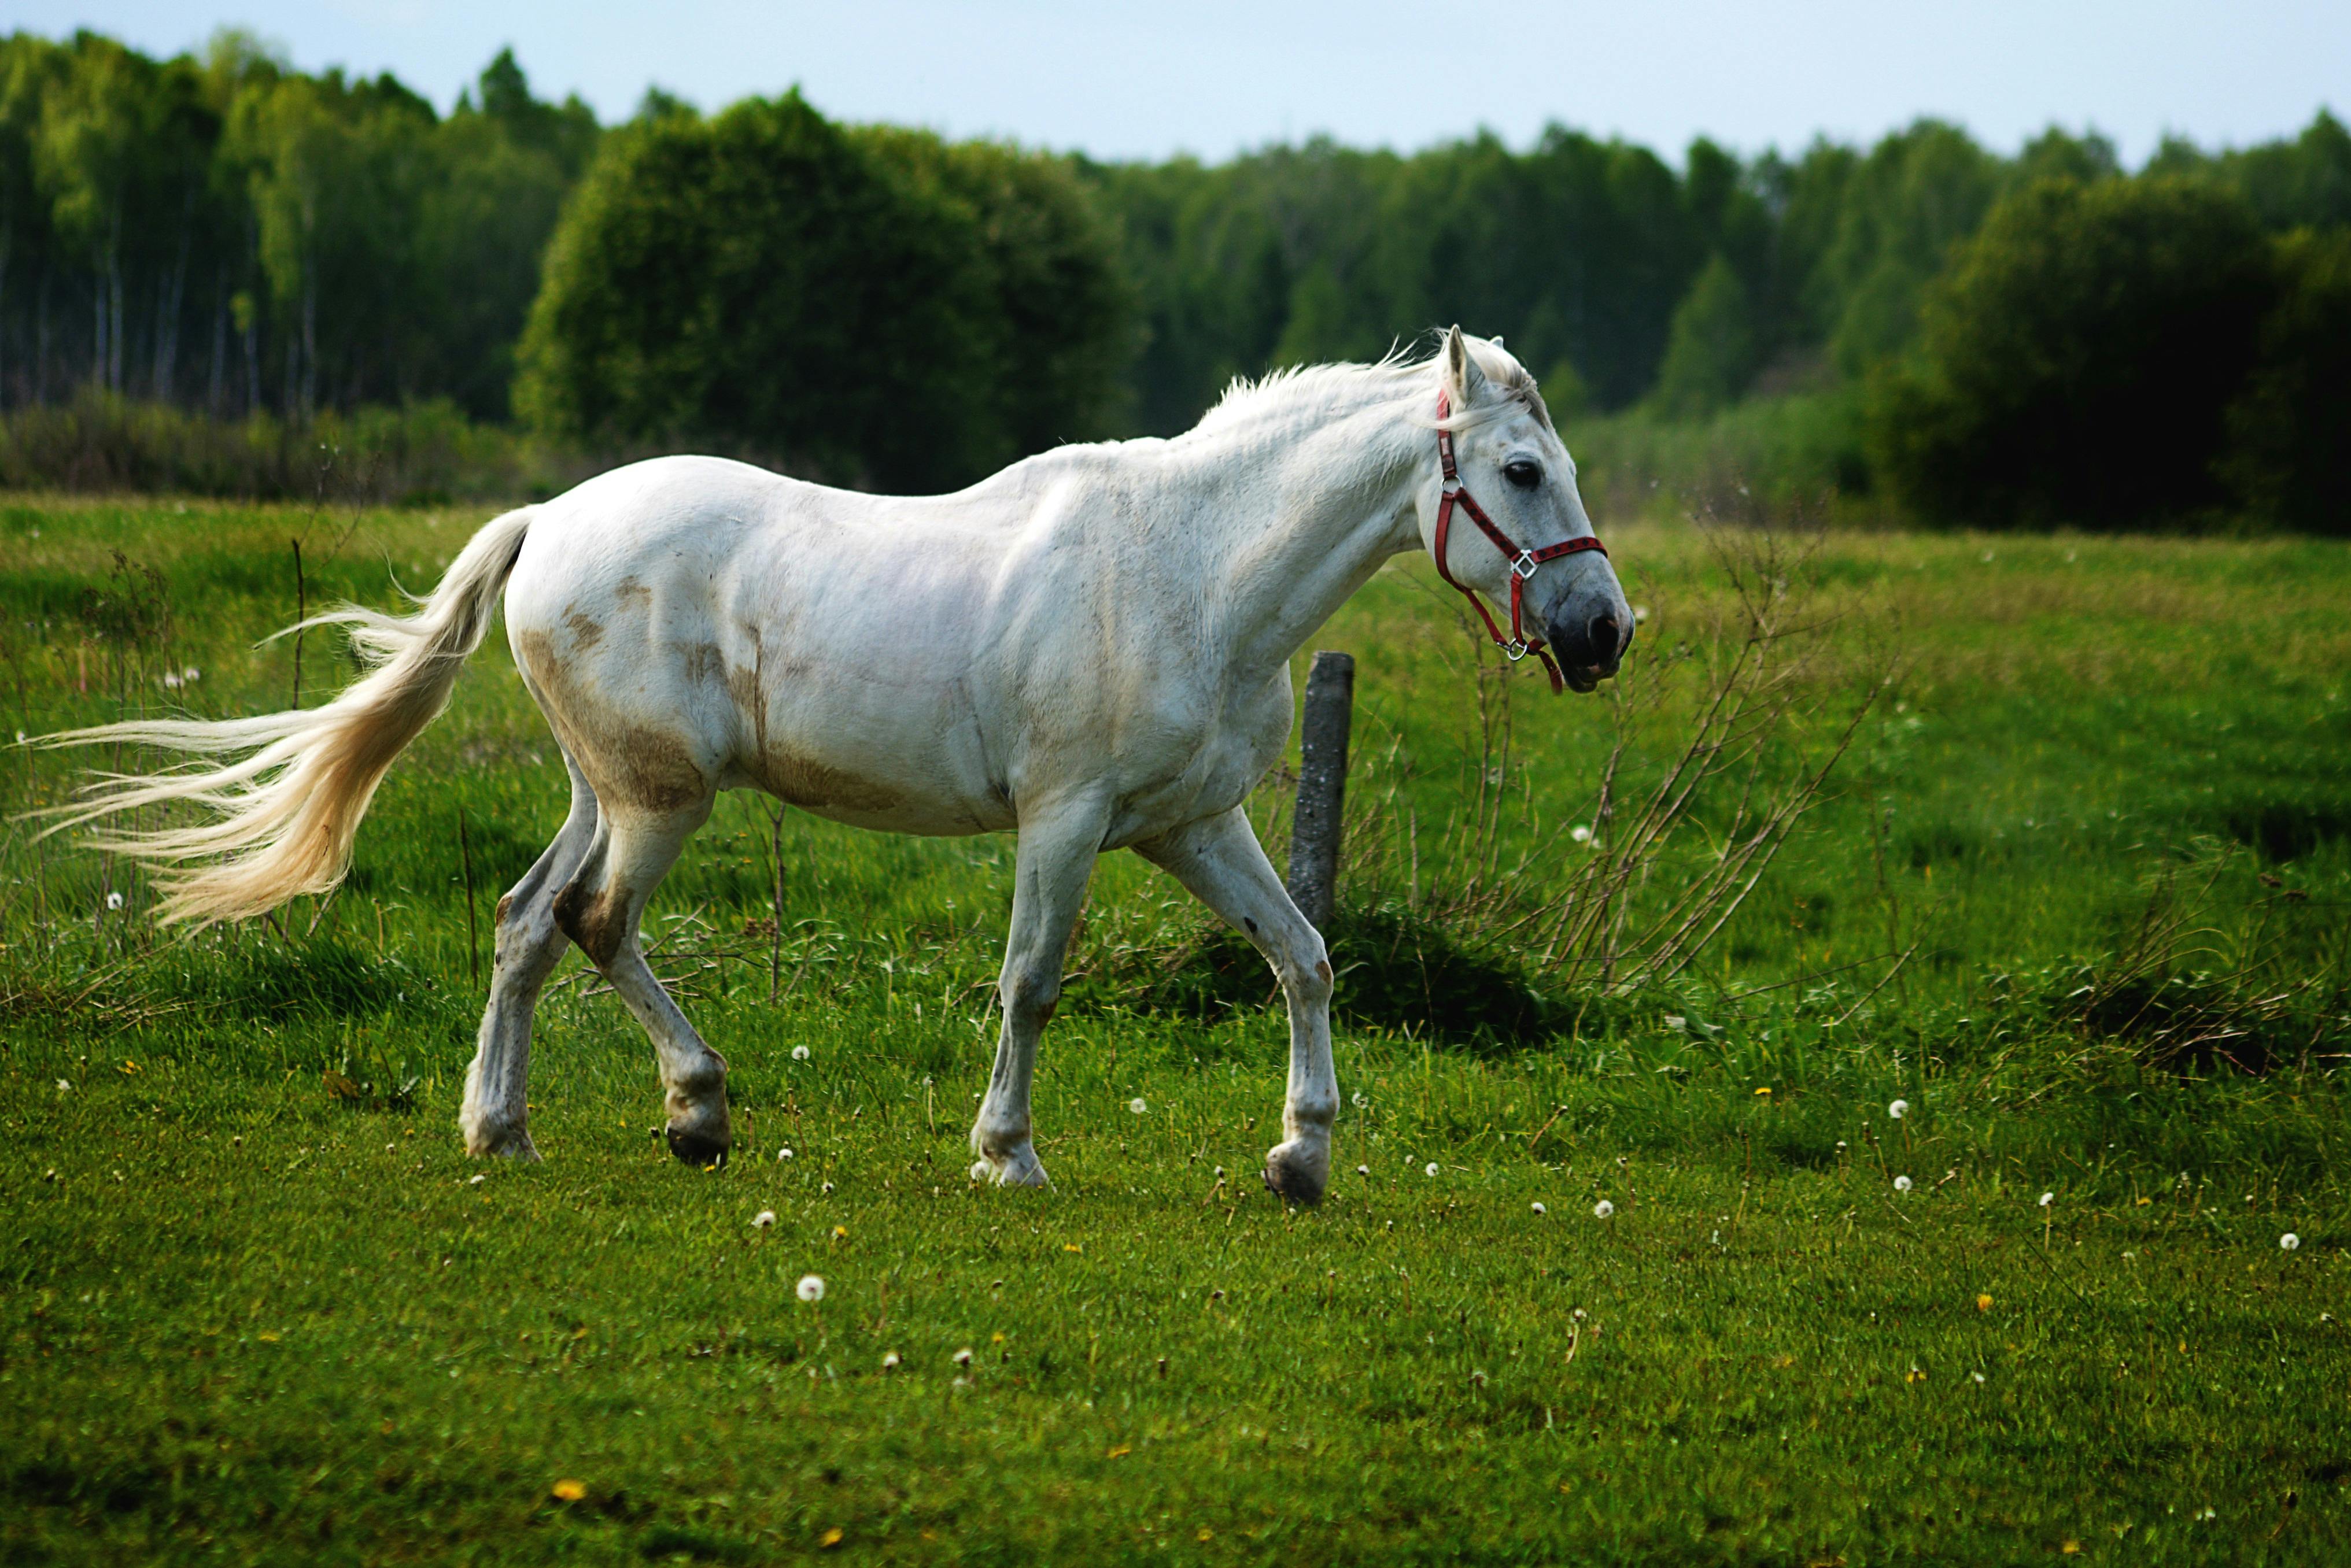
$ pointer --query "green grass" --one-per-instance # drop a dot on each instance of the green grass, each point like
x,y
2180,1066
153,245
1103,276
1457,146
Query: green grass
x,y
242,1319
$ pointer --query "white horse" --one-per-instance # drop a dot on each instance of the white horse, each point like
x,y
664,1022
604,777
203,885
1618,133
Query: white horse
x,y
1092,646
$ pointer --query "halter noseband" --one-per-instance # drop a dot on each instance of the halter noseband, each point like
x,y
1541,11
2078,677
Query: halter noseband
x,y
1523,563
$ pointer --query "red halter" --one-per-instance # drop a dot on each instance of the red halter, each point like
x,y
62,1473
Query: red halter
x,y
1523,563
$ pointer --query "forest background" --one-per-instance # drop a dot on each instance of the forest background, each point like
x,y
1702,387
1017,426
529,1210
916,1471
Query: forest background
x,y
222,275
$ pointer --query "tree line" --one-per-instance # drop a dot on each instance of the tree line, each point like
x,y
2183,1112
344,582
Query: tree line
x,y
227,235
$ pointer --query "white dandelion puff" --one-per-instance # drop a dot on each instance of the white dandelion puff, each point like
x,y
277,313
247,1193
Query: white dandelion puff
x,y
963,1356
810,1288
826,1188
65,1086
1360,1171
479,1178
2289,1241
1580,833
1540,1209
1897,1110
1429,1170
800,1052
784,1153
2047,1199
1901,1184
764,1219
114,901
1601,1209
1138,1105
890,1362
192,675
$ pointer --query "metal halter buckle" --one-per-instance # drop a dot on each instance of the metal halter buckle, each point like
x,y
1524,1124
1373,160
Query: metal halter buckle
x,y
1524,567
1514,648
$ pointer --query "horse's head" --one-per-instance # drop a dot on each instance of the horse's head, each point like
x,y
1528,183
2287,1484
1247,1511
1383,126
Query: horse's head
x,y
1514,469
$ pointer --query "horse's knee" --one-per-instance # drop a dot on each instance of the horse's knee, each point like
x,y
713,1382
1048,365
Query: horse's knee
x,y
1030,991
1305,970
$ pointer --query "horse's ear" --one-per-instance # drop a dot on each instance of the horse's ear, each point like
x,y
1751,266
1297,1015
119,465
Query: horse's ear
x,y
1462,377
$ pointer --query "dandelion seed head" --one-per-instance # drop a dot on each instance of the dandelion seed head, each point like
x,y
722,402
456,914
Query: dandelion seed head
x,y
1897,1110
1429,1170
65,1086
1138,1105
1360,1171
1539,1208
479,1178
963,1356
827,1187
763,1219
1601,1209
800,1052
890,1362
1580,833
1901,1184
2289,1241
784,1153
2047,1199
810,1288
114,901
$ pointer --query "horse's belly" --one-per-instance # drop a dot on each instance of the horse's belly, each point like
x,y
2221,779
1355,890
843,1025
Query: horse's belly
x,y
914,773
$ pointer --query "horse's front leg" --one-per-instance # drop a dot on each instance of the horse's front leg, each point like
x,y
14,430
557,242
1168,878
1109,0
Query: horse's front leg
x,y
1057,854
1222,864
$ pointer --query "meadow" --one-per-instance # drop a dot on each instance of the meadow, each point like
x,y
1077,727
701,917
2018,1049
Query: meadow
x,y
1606,1274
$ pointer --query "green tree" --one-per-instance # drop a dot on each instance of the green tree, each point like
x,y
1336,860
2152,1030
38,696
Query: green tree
x,y
768,282
2289,453
1062,309
2076,363
1710,355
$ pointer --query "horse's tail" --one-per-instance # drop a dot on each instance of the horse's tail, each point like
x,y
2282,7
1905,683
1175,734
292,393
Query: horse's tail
x,y
284,814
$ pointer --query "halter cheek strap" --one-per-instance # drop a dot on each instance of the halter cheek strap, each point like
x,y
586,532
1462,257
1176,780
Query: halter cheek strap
x,y
1523,563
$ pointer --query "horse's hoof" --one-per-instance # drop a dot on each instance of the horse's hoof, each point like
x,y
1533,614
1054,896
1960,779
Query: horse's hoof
x,y
697,1149
1296,1175
1022,1167
498,1140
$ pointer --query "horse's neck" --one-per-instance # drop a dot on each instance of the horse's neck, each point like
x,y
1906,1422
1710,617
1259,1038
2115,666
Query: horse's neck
x,y
1302,518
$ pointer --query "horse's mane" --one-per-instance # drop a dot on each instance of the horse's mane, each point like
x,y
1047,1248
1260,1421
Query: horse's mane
x,y
1306,386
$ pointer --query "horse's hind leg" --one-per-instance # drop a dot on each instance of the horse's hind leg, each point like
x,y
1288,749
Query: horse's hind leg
x,y
633,850
529,944
1221,862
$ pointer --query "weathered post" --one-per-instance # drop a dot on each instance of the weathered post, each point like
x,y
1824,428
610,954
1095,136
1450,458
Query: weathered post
x,y
1321,785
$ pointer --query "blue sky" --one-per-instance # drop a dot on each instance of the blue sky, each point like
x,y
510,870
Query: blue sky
x,y
1213,76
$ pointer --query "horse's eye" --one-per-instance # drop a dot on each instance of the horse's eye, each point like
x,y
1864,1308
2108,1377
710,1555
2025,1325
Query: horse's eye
x,y
1523,472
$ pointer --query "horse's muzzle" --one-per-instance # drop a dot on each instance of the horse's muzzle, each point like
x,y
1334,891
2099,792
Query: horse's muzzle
x,y
1589,649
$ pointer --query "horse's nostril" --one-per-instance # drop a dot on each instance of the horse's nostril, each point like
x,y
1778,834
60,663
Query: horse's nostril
x,y
1606,639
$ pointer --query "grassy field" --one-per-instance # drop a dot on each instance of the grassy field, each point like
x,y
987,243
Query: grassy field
x,y
257,1306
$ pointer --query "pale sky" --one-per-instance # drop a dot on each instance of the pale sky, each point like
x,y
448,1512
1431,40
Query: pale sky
x,y
1216,77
